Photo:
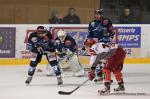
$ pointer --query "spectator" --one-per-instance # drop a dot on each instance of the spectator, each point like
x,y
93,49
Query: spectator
x,y
127,17
71,18
55,18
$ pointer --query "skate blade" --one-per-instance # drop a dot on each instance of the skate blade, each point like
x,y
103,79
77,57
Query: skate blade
x,y
27,84
49,75
120,92
60,85
104,94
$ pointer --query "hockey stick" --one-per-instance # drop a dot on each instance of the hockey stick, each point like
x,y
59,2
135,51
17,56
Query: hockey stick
x,y
68,93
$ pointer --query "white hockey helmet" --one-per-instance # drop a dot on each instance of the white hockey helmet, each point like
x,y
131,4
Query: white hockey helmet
x,y
61,34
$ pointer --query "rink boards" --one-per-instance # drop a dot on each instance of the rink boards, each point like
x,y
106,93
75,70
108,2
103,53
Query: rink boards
x,y
83,59
134,39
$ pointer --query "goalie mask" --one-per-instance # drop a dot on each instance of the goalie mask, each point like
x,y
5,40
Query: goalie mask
x,y
61,35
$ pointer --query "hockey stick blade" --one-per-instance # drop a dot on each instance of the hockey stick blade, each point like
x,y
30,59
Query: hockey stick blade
x,y
64,93
68,93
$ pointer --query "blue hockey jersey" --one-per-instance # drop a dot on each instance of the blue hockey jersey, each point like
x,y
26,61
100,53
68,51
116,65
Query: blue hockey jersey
x,y
101,29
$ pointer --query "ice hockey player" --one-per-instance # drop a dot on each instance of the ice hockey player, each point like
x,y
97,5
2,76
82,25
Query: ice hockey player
x,y
40,43
114,56
66,48
101,30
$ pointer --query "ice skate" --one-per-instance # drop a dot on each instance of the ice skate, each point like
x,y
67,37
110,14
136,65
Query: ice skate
x,y
28,81
120,89
59,79
105,91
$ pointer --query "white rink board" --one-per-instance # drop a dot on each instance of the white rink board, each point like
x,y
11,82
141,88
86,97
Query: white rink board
x,y
21,30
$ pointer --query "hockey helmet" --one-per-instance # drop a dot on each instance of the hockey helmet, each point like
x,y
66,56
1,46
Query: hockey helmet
x,y
99,11
61,34
42,31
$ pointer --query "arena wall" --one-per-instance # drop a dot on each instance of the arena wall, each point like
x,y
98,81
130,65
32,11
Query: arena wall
x,y
13,37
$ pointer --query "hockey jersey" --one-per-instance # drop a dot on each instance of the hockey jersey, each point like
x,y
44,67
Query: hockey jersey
x,y
99,48
101,30
68,43
44,42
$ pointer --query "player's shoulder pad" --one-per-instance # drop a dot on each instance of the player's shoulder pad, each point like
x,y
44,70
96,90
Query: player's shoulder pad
x,y
57,38
106,21
49,34
69,37
33,34
92,23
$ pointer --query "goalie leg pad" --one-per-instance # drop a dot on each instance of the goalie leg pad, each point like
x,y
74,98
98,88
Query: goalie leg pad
x,y
55,67
52,59
76,66
49,70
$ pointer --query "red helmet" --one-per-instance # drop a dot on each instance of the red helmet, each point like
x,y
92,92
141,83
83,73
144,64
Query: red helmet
x,y
89,42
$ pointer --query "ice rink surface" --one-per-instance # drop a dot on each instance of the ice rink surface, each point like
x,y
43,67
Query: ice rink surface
x,y
12,86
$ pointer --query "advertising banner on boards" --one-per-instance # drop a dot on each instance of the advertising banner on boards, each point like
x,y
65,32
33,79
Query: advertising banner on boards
x,y
7,42
128,37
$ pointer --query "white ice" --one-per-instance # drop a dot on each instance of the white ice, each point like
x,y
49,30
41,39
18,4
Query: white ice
x,y
12,86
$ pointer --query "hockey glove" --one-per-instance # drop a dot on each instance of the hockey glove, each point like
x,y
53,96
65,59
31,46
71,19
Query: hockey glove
x,y
91,75
69,53
83,48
